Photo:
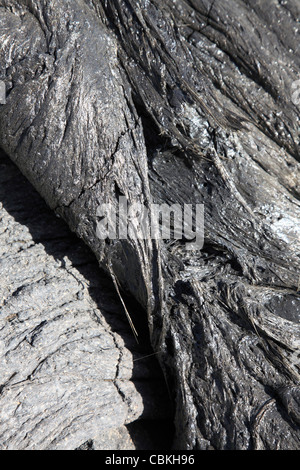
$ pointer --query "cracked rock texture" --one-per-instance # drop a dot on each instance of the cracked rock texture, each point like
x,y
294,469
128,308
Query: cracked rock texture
x,y
181,101
71,371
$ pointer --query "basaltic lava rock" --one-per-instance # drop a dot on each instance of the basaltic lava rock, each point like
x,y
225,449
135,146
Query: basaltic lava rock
x,y
177,102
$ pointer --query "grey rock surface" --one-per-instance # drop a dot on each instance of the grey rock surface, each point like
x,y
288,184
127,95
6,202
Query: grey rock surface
x,y
185,101
71,371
